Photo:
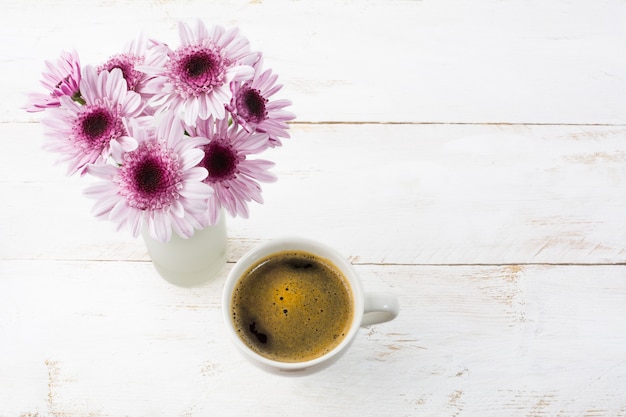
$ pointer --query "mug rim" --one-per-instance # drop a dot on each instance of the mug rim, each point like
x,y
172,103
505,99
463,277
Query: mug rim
x,y
278,245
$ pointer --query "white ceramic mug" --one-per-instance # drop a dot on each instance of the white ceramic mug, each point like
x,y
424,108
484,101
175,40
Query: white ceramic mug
x,y
368,307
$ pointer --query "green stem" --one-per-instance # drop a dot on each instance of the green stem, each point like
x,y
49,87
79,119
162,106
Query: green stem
x,y
77,97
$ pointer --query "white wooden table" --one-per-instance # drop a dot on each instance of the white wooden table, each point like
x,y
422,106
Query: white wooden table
x,y
468,156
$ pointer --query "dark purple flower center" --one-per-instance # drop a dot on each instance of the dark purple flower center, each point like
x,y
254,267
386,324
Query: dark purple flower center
x,y
197,69
149,176
126,63
96,127
199,65
95,124
221,160
251,105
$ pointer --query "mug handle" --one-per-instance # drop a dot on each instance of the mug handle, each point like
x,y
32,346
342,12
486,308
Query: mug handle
x,y
379,308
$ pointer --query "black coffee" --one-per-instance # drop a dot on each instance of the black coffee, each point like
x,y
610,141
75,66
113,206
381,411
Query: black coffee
x,y
292,307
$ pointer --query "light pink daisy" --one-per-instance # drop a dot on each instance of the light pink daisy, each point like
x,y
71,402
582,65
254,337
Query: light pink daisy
x,y
252,108
158,184
134,55
94,131
234,178
61,79
194,80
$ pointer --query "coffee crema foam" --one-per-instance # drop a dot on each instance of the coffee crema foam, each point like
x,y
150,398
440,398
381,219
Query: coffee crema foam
x,y
292,307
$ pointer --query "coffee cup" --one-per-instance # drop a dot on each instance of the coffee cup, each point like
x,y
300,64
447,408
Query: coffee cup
x,y
295,305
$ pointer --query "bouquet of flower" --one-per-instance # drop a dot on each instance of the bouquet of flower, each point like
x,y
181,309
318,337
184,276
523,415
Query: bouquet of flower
x,y
169,131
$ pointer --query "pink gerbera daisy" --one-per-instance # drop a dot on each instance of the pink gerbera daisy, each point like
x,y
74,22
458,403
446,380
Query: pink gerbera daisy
x,y
252,108
61,79
158,183
92,132
234,177
195,78
128,61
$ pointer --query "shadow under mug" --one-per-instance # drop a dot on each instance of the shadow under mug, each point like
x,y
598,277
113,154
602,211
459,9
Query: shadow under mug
x,y
368,307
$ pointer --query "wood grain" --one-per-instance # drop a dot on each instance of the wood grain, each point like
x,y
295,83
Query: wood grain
x,y
401,61
471,340
469,157
398,194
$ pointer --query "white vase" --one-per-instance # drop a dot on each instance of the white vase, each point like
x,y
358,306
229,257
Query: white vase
x,y
192,261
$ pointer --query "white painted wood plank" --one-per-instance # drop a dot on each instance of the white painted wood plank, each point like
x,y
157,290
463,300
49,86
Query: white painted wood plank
x,y
87,327
427,61
113,339
428,194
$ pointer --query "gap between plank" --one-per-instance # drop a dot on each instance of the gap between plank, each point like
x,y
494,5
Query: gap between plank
x,y
456,123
